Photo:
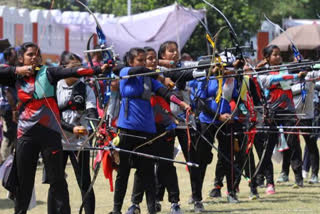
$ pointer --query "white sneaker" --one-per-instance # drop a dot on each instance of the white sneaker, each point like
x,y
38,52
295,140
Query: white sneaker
x,y
305,174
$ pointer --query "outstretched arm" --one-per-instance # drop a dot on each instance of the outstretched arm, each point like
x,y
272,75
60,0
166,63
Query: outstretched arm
x,y
57,73
9,74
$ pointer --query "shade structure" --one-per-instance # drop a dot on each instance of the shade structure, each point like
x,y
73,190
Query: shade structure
x,y
305,37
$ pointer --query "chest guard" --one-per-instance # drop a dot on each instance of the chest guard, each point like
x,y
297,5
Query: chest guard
x,y
42,86
78,98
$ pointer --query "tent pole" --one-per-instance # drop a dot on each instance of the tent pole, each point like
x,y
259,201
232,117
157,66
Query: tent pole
x,y
129,7
206,23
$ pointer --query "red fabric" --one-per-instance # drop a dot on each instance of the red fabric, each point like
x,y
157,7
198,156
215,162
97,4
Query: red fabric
x,y
251,135
23,95
160,101
232,104
85,71
276,93
108,168
250,107
105,157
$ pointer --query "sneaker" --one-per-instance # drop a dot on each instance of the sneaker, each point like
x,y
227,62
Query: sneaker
x,y
134,209
190,201
158,207
270,189
215,193
175,209
305,174
254,195
283,177
313,179
232,199
198,207
298,184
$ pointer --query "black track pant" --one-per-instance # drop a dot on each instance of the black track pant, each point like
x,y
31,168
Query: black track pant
x,y
225,165
41,139
166,174
311,144
244,161
82,171
264,147
144,166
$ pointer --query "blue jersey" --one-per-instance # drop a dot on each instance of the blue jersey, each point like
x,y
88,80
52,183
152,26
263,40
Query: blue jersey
x,y
208,93
135,112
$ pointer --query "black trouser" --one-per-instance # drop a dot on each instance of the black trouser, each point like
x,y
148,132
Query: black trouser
x,y
244,160
292,156
264,147
225,151
144,166
81,169
193,154
48,142
166,174
196,173
311,144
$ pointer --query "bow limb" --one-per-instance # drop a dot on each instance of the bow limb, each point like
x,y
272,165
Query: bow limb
x,y
295,50
96,83
213,59
235,40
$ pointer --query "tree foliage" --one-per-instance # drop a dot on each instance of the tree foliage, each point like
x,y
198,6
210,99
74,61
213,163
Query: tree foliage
x,y
244,15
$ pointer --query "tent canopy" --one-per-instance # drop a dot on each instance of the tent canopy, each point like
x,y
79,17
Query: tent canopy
x,y
305,37
150,28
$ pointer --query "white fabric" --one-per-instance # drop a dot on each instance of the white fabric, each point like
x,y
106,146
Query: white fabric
x,y
64,93
146,29
305,109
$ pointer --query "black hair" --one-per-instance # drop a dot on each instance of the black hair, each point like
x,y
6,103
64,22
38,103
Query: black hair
x,y
131,54
24,47
267,51
66,56
7,55
164,46
147,49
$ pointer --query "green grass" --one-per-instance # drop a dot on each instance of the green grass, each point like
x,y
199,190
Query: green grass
x,y
286,200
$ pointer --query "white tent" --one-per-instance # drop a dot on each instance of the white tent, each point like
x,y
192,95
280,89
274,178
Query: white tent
x,y
146,29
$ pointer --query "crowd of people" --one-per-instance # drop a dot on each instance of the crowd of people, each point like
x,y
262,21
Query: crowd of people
x,y
227,106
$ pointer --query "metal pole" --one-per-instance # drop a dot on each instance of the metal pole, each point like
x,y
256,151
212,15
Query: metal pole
x,y
206,23
129,7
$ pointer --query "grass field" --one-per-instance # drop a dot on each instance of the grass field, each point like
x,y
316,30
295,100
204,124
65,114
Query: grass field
x,y
286,200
